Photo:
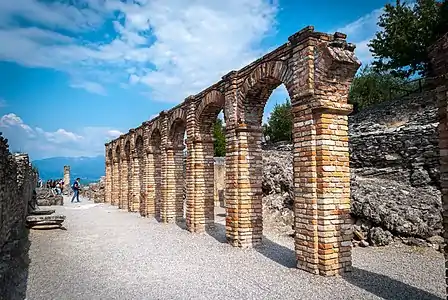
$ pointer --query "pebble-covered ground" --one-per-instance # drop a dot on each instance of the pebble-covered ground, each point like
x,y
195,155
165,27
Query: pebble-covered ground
x,y
106,253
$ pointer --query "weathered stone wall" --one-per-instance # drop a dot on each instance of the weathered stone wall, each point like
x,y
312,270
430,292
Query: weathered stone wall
x,y
397,140
17,181
47,197
439,66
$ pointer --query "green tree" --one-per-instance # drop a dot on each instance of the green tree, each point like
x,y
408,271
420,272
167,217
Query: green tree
x,y
279,125
401,46
370,87
220,138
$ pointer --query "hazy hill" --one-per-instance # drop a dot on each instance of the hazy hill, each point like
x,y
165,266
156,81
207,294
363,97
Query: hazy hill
x,y
87,168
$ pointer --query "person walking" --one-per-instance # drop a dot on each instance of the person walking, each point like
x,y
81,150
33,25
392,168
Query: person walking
x,y
75,188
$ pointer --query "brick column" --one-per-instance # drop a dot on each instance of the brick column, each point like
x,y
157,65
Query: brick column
x,y
321,156
200,187
250,168
179,182
124,176
116,182
168,209
158,187
150,184
232,186
322,190
108,191
135,179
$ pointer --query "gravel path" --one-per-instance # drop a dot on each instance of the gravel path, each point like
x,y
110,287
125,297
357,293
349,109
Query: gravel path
x,y
106,253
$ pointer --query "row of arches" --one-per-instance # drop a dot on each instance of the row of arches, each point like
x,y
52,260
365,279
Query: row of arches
x,y
145,167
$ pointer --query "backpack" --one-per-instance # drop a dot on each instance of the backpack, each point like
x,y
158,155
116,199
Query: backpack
x,y
75,185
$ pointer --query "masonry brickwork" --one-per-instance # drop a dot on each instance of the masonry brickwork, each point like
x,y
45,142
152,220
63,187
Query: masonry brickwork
x,y
439,68
18,180
144,168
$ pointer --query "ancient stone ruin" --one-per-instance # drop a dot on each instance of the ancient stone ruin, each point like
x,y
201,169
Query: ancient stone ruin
x,y
144,170
144,167
18,180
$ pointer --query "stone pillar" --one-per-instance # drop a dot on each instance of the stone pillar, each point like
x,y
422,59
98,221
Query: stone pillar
x,y
231,161
203,182
150,184
135,202
168,209
130,183
67,183
321,155
179,182
108,187
190,166
116,182
124,176
157,188
322,190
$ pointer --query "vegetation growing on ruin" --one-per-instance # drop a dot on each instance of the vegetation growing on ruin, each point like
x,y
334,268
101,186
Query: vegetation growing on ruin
x,y
407,30
219,135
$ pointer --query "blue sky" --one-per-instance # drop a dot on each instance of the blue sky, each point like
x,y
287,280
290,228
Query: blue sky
x,y
74,76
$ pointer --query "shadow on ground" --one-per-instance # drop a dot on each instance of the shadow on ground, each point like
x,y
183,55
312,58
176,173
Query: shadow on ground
x,y
386,287
377,284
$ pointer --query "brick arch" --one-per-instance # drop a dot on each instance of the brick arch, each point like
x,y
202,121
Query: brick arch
x,y
139,145
117,151
154,125
154,197
155,139
258,87
176,125
109,154
127,147
207,111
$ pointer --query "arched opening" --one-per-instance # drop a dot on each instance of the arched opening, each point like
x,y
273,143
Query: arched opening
x,y
155,178
247,231
116,186
277,156
175,174
139,193
209,167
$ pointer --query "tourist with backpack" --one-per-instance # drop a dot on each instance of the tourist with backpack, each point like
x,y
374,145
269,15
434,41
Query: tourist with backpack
x,y
75,188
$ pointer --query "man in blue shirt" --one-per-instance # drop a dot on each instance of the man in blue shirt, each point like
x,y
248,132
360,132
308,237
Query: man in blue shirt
x,y
75,188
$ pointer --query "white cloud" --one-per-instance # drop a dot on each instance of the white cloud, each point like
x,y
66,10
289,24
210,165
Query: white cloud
x,y
171,47
89,141
93,87
361,32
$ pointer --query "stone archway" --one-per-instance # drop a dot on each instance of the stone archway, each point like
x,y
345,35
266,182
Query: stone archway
x,y
175,178
200,196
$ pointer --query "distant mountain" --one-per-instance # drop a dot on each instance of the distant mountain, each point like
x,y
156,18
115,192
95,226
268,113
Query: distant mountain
x,y
89,169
